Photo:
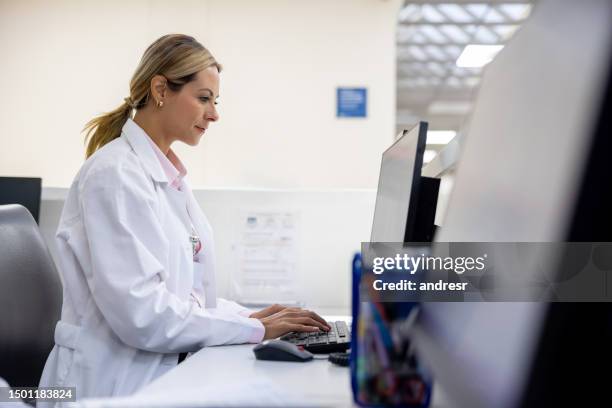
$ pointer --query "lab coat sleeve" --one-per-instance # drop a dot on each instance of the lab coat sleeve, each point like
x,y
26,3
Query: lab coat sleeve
x,y
127,247
233,307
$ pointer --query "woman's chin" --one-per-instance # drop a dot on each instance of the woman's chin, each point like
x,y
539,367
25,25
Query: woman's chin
x,y
194,140
198,136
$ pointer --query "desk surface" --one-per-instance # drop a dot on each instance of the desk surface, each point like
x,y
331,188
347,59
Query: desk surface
x,y
231,376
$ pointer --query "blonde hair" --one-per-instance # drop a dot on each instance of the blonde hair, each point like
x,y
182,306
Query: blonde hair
x,y
177,57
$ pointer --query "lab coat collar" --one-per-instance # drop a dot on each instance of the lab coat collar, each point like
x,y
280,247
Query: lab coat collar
x,y
137,138
173,167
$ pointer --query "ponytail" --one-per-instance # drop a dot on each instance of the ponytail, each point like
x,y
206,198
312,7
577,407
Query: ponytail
x,y
177,57
106,127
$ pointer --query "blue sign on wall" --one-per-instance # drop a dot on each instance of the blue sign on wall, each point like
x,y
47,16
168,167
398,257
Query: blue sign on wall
x,y
351,102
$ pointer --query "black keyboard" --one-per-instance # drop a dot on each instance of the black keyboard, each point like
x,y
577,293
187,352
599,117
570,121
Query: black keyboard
x,y
338,339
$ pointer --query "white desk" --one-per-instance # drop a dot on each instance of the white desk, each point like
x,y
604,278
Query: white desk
x,y
231,376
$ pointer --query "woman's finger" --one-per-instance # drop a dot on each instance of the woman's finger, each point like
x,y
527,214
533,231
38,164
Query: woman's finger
x,y
296,327
315,316
309,322
310,314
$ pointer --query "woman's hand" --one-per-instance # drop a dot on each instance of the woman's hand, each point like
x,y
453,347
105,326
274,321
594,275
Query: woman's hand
x,y
268,311
279,320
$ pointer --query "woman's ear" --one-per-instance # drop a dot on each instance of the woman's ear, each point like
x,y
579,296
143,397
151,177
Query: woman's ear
x,y
158,87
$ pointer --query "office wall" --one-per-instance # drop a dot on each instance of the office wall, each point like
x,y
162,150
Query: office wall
x,y
330,228
66,61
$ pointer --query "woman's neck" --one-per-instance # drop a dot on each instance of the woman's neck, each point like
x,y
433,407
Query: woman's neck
x,y
148,123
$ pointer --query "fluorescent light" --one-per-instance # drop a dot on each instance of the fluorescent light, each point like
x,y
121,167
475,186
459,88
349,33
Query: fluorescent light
x,y
440,137
476,56
429,155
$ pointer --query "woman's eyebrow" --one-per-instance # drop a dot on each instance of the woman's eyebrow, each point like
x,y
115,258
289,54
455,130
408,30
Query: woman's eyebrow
x,y
207,89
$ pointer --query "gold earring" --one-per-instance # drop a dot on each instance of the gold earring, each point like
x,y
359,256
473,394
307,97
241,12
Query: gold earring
x,y
160,104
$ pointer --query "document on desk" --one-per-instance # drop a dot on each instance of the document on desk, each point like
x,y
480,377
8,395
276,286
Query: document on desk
x,y
256,393
265,258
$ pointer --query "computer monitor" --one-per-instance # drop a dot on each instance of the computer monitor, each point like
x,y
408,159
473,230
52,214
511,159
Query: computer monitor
x,y
405,201
534,168
22,190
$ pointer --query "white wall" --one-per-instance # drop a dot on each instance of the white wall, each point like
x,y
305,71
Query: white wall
x,y
63,62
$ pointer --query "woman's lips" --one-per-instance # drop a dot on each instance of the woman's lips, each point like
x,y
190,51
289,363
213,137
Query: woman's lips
x,y
201,129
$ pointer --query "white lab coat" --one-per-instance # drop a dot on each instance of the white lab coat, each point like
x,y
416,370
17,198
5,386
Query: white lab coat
x,y
127,266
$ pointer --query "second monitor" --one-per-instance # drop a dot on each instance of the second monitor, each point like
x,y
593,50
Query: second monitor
x,y
405,201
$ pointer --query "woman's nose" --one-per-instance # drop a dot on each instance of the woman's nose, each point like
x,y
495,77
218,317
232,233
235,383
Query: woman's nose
x,y
212,115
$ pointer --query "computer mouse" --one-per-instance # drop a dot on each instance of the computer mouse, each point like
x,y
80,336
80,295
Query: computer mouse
x,y
280,350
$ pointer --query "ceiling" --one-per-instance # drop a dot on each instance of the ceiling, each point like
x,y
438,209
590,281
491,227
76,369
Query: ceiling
x,y
430,37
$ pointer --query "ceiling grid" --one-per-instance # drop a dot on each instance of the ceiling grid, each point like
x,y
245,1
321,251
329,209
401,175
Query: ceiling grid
x,y
430,38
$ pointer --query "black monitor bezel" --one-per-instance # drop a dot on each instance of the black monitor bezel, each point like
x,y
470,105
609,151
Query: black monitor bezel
x,y
29,186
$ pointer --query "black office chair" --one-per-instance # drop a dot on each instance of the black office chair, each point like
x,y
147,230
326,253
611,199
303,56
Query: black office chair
x,y
30,298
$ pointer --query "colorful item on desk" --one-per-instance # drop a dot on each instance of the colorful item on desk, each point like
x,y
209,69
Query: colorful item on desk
x,y
384,369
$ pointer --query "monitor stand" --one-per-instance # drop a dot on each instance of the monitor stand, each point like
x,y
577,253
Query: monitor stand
x,y
424,228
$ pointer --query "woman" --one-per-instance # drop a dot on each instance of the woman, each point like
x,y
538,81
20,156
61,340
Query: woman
x,y
136,252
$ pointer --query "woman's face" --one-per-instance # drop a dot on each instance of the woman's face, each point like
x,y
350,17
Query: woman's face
x,y
188,113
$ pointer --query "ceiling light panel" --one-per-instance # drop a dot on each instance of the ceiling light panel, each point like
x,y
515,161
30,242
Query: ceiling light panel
x,y
478,10
417,53
431,14
493,16
440,137
455,13
453,51
433,34
455,33
478,55
484,35
435,52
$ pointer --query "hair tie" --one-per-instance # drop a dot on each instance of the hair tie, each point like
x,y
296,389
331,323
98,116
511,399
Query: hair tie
x,y
129,102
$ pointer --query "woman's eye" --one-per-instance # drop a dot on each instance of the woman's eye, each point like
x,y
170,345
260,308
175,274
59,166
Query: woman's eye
x,y
206,99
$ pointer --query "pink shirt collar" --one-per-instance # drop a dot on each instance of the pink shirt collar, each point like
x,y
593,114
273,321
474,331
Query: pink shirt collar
x,y
171,164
